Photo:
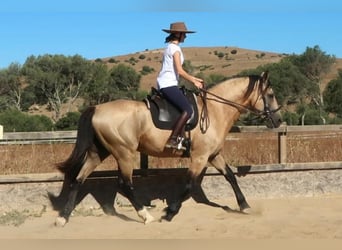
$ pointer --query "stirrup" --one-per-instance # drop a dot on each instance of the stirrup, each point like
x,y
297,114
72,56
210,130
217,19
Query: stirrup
x,y
176,143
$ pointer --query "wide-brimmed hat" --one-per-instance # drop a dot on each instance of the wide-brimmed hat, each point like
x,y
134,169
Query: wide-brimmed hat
x,y
178,27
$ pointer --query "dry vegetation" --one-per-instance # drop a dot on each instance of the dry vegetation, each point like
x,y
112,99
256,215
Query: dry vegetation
x,y
206,60
240,149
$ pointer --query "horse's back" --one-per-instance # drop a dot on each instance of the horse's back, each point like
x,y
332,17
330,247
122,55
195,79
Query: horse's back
x,y
119,108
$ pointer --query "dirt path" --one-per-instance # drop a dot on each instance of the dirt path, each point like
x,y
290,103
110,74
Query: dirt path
x,y
289,218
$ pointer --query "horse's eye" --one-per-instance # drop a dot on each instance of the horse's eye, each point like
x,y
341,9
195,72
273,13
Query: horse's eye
x,y
271,96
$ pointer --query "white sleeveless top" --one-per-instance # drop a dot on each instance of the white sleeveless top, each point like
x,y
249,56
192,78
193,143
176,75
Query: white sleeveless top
x,y
168,76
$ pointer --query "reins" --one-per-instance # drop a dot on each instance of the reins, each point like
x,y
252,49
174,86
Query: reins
x,y
204,117
231,103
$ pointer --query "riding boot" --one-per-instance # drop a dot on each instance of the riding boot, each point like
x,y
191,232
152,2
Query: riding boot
x,y
175,140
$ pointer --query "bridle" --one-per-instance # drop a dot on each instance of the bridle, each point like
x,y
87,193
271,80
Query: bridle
x,y
265,114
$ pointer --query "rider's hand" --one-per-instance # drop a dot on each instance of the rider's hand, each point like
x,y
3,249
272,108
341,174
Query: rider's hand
x,y
198,82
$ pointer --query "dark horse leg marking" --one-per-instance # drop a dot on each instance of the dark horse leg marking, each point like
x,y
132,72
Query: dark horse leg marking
x,y
219,163
193,185
128,190
71,201
174,207
230,177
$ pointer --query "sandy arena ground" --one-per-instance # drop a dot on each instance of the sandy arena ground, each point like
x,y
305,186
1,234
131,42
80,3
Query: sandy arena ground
x,y
317,217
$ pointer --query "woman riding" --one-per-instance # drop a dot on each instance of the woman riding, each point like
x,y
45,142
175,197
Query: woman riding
x,y
168,80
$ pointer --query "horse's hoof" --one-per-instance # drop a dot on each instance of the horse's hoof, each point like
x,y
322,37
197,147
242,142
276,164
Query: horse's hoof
x,y
146,216
149,219
60,222
246,210
167,217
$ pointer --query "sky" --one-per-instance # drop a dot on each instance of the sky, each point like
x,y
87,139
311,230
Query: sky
x,y
109,28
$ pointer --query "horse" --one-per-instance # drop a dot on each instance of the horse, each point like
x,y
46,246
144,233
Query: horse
x,y
122,127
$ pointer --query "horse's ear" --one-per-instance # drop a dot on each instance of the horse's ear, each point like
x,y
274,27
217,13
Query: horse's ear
x,y
264,76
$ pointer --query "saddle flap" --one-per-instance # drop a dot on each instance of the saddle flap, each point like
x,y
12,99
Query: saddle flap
x,y
164,114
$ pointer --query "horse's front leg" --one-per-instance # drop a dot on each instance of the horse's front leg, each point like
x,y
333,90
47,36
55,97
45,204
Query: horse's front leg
x,y
219,163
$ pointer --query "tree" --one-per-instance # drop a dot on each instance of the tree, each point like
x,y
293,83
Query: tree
x,y
97,90
124,81
79,74
287,81
333,95
56,79
314,64
11,87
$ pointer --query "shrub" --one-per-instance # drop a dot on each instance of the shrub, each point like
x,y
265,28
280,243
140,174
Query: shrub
x,y
291,118
146,70
16,121
68,122
220,55
112,60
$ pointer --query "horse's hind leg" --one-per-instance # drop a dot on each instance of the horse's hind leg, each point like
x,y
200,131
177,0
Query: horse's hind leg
x,y
64,214
91,162
219,163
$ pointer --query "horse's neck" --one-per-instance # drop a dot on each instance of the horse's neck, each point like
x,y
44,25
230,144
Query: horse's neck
x,y
226,114
232,90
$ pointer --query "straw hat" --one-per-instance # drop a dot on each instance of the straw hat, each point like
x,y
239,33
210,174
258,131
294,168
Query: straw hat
x,y
178,27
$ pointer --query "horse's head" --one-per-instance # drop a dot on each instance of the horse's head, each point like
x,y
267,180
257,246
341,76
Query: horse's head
x,y
266,103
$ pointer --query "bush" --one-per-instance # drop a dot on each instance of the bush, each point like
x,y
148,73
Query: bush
x,y
332,95
68,122
314,117
146,70
112,60
220,55
16,121
291,118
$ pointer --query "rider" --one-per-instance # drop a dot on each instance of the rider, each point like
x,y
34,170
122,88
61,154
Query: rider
x,y
168,80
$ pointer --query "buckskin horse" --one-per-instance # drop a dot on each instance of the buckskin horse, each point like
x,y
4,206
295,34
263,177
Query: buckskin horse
x,y
122,127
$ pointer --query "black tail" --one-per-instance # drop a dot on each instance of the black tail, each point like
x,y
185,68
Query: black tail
x,y
85,139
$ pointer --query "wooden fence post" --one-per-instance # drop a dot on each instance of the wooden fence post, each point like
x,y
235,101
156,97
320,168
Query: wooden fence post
x,y
282,146
1,132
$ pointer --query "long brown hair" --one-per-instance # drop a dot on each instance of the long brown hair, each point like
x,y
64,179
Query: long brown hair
x,y
172,37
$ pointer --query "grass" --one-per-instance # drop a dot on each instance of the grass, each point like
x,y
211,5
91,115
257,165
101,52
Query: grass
x,y
17,218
